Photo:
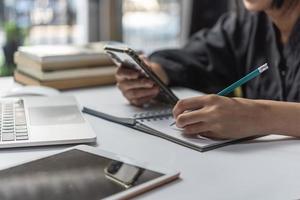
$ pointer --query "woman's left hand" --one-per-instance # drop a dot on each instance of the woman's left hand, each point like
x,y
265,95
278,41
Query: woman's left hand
x,y
220,117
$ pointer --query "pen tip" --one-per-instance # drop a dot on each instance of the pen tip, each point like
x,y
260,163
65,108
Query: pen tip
x,y
173,124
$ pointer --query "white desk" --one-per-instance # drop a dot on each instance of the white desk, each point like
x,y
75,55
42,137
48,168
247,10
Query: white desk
x,y
257,170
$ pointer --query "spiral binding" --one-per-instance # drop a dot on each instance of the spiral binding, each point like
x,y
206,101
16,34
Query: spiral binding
x,y
154,115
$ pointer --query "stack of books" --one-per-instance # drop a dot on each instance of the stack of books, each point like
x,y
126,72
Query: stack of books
x,y
64,66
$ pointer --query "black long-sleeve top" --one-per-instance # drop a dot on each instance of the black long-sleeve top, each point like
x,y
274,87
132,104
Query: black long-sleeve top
x,y
236,45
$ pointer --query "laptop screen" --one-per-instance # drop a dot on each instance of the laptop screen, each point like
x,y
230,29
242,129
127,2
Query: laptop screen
x,y
73,174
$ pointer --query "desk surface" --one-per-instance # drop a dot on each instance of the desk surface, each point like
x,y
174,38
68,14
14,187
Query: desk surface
x,y
255,170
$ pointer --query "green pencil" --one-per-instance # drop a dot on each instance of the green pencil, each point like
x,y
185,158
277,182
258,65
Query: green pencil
x,y
243,80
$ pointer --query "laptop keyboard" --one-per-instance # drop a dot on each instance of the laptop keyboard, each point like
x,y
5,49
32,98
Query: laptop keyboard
x,y
12,121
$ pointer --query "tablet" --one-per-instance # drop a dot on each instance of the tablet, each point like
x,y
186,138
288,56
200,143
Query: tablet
x,y
132,60
81,172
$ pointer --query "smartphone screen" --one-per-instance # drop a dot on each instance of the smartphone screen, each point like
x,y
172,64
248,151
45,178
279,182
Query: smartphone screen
x,y
73,174
124,59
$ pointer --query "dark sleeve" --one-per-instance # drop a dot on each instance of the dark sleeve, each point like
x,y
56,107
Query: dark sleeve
x,y
209,61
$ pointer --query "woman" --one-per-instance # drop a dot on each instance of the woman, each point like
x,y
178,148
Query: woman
x,y
268,31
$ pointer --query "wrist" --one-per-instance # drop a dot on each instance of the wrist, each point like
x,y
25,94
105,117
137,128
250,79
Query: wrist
x,y
160,72
257,113
269,120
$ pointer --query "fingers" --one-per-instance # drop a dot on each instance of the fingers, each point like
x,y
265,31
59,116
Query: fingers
x,y
142,101
145,60
134,84
203,129
187,104
135,87
124,73
197,115
141,93
193,104
197,128
191,117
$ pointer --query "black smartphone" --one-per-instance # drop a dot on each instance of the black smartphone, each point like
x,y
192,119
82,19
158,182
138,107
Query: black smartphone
x,y
131,59
122,173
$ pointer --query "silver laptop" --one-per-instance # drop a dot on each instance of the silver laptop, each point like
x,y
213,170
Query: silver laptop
x,y
36,121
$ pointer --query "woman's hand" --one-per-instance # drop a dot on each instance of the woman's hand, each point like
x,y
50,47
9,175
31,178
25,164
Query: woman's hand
x,y
220,117
135,86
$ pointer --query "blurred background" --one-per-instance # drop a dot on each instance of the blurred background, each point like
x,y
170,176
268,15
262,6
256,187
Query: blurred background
x,y
145,25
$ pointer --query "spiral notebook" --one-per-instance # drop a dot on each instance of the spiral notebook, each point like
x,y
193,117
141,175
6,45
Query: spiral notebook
x,y
158,122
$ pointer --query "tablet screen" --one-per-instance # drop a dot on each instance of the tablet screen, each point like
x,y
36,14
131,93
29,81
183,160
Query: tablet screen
x,y
73,174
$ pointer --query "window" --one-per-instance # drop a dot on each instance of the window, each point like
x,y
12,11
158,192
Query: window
x,y
145,25
153,24
46,21
31,22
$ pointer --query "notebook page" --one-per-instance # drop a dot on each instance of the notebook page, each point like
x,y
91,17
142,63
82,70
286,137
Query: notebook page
x,y
163,125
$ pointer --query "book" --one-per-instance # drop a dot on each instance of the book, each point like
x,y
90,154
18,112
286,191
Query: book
x,y
57,57
67,74
157,123
63,84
